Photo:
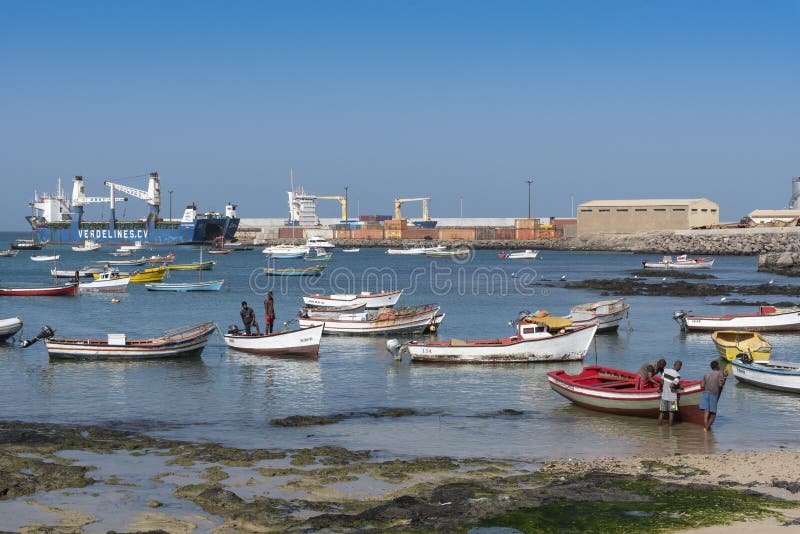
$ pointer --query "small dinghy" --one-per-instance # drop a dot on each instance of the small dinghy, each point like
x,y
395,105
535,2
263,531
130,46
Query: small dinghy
x,y
211,285
46,258
305,271
731,343
779,376
9,327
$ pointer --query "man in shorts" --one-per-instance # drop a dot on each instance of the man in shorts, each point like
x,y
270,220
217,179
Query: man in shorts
x,y
713,381
670,385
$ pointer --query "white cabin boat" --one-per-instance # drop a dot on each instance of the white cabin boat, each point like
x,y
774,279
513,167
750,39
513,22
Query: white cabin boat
x,y
384,299
534,342
300,342
88,270
606,314
137,245
380,322
88,246
526,254
318,242
108,282
767,319
680,262
780,376
286,251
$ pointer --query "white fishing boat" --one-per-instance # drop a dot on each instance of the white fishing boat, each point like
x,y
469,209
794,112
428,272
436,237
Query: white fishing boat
x,y
414,251
318,242
139,261
137,245
46,258
9,327
318,254
8,253
526,254
533,342
767,319
109,282
88,246
351,249
285,251
329,313
370,300
299,342
380,322
120,253
780,376
87,270
680,262
606,314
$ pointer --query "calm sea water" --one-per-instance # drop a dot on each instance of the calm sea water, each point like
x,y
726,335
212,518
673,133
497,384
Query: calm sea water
x,y
230,397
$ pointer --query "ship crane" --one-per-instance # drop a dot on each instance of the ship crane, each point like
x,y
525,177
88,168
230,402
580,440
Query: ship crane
x,y
342,201
79,197
152,196
398,202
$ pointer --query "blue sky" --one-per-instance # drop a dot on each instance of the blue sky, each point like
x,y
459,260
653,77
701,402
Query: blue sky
x,y
614,99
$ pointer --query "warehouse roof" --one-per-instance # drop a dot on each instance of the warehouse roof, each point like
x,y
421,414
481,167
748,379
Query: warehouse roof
x,y
774,213
644,202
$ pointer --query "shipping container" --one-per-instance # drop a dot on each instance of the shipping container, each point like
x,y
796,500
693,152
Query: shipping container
x,y
420,233
504,233
449,234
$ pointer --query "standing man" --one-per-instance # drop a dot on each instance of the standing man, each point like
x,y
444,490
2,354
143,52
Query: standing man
x,y
670,385
649,370
248,317
269,313
713,382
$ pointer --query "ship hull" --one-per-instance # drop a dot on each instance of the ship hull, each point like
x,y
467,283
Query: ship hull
x,y
202,230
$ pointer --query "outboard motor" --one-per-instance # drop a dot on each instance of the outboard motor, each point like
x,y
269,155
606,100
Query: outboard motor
x,y
45,333
395,348
233,329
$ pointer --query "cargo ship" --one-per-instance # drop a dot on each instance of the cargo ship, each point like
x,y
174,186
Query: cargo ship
x,y
59,220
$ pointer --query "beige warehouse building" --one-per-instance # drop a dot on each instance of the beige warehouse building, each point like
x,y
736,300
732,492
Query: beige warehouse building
x,y
632,216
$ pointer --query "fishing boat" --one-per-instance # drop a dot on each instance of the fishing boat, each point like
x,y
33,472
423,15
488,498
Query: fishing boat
x,y
39,291
120,253
150,274
731,343
139,261
779,376
196,266
680,262
219,251
9,327
27,244
298,342
137,245
606,314
88,246
318,254
414,251
285,251
211,285
87,270
8,253
458,253
351,249
46,258
318,242
382,321
329,313
383,299
108,282
533,342
621,392
180,342
304,271
218,246
169,258
766,319
526,254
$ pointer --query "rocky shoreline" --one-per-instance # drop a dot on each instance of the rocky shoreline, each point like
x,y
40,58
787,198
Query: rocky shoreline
x,y
339,490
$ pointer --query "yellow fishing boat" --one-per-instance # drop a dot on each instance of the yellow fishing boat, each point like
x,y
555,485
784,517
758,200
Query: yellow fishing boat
x,y
204,265
731,343
151,274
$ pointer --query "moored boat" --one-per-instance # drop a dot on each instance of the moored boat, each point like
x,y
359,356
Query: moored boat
x,y
606,314
55,257
318,254
139,261
533,342
383,299
380,322
106,283
86,270
317,313
779,376
180,342
414,251
305,271
196,266
680,262
137,245
211,285
285,251
458,253
8,253
39,291
88,246
353,249
526,254
9,327
169,258
27,244
622,392
731,343
150,274
299,342
767,319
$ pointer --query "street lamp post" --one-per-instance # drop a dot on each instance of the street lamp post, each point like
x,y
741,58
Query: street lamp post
x,y
170,204
529,197
345,203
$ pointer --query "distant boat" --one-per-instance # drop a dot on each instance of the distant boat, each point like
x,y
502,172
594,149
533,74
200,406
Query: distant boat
x,y
137,245
731,343
414,251
383,321
185,341
449,253
88,270
27,244
306,271
767,319
526,254
212,285
300,342
9,327
150,274
39,291
779,376
107,283
329,313
45,258
197,266
8,253
318,254
318,242
219,246
169,258
351,250
370,300
88,246
285,251
219,251
140,261
680,262
120,253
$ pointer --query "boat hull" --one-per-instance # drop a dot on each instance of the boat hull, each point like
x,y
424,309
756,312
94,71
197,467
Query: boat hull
x,y
214,285
569,346
9,327
114,285
50,291
303,342
607,315
355,324
758,322
776,376
732,343
309,271
632,401
370,300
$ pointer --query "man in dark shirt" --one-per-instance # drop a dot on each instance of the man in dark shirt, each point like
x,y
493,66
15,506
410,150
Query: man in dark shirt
x,y
269,313
649,370
248,317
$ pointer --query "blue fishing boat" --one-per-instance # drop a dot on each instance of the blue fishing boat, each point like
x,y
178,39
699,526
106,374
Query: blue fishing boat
x,y
213,285
306,271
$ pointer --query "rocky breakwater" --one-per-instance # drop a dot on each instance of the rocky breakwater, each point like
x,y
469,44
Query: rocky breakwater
x,y
786,263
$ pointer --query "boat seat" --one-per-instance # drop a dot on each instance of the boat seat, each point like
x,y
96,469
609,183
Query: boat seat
x,y
616,384
457,342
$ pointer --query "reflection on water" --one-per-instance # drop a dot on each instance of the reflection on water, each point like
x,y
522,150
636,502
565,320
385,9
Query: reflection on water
x,y
230,397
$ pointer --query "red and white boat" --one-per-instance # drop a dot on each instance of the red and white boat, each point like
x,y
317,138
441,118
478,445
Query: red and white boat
x,y
534,342
370,300
380,322
39,291
680,262
169,258
767,319
300,342
606,314
621,392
